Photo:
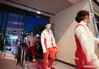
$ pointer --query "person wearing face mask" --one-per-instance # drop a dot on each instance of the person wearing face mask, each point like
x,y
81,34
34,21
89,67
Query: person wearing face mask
x,y
48,42
85,56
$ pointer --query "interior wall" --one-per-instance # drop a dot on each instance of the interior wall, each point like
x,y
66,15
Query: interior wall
x,y
64,31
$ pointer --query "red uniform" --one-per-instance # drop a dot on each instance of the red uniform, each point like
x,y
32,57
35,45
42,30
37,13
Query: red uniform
x,y
80,59
48,41
31,42
85,57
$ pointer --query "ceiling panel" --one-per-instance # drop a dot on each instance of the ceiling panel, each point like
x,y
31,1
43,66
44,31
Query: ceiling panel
x,y
49,6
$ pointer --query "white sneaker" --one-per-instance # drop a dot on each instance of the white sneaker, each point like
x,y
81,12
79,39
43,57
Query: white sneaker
x,y
33,60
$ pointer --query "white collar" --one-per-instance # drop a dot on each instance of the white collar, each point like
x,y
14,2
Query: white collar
x,y
84,23
47,30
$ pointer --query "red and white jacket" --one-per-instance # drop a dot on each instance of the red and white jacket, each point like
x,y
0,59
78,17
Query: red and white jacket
x,y
47,40
87,41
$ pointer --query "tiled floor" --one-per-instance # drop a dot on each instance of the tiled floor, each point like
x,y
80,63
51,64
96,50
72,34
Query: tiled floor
x,y
57,65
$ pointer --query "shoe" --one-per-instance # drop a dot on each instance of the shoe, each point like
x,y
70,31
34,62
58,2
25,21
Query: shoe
x,y
52,68
33,60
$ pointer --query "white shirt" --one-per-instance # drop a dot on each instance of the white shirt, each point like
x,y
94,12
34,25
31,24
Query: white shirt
x,y
30,40
13,39
88,42
49,40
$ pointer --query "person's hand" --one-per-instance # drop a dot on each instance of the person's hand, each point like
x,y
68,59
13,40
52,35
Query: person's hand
x,y
97,68
56,49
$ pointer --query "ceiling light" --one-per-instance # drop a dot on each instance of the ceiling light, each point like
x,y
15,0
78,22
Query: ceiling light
x,y
38,12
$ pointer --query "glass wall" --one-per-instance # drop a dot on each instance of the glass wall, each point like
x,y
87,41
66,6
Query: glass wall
x,y
12,18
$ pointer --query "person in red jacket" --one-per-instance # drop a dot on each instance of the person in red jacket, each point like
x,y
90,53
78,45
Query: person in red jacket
x,y
48,42
85,56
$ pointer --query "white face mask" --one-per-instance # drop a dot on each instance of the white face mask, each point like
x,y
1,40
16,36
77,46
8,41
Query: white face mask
x,y
48,26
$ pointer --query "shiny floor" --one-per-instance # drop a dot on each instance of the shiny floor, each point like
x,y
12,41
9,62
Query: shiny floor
x,y
57,65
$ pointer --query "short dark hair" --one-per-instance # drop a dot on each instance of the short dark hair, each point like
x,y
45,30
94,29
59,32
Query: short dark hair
x,y
80,15
47,23
14,31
